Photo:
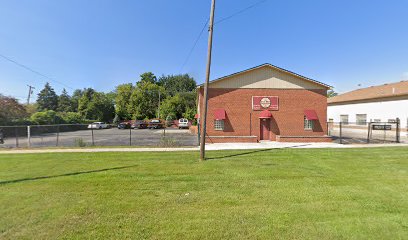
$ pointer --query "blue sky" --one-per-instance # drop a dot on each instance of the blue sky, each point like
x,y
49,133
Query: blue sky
x,y
101,43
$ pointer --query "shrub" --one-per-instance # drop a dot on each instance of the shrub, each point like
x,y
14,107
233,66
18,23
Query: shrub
x,y
168,142
79,142
46,117
71,117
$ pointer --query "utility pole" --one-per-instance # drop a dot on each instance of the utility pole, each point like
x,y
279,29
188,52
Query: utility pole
x,y
158,111
203,119
30,91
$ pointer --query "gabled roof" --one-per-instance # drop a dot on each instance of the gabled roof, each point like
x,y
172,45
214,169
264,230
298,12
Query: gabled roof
x,y
375,92
271,66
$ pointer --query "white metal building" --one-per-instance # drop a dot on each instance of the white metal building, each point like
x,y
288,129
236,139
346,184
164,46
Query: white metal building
x,y
384,103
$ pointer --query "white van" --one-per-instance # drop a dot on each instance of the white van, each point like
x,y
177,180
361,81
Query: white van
x,y
183,123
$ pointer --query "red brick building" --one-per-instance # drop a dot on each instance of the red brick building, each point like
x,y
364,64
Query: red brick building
x,y
265,103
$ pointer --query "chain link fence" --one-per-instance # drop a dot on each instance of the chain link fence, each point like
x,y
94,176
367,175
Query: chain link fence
x,y
82,135
366,133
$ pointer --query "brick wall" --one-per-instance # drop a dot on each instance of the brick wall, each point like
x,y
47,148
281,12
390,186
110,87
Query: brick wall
x,y
241,120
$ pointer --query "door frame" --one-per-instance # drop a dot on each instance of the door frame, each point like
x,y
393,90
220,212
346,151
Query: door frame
x,y
265,123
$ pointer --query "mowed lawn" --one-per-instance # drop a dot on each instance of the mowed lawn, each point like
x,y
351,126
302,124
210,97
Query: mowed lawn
x,y
261,194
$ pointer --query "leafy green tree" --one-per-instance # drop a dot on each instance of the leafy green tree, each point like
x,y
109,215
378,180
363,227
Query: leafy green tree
x,y
122,100
190,113
177,83
116,119
172,106
45,117
331,93
47,99
71,117
75,99
83,102
96,106
147,77
144,101
64,102
10,110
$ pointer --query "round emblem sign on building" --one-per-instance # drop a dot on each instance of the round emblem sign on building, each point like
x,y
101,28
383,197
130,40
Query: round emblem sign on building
x,y
265,102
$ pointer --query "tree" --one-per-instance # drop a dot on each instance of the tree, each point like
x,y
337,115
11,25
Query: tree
x,y
71,117
10,110
122,100
331,93
47,99
45,117
177,83
96,106
147,77
75,99
172,106
180,105
83,102
64,102
144,101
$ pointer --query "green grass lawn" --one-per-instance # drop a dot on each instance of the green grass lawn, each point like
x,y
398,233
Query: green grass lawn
x,y
262,194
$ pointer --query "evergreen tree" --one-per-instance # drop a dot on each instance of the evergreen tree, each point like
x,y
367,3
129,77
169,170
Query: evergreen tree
x,y
64,102
47,99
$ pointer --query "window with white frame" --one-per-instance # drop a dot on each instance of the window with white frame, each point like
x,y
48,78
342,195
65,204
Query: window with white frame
x,y
219,125
361,119
344,119
308,124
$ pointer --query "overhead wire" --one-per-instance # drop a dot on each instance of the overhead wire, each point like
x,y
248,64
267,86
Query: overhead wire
x,y
215,23
34,71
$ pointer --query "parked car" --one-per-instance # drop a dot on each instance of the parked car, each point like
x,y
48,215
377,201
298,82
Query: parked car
x,y
140,124
155,124
124,125
183,123
98,125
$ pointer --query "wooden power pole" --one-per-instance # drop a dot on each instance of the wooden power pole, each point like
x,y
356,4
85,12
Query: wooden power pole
x,y
203,119
30,91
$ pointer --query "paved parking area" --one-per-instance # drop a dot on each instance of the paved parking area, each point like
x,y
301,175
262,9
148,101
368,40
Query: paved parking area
x,y
107,137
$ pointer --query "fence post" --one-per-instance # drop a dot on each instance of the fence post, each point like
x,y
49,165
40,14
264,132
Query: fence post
x,y
16,132
398,131
327,129
341,133
198,131
29,136
368,134
92,132
58,130
130,136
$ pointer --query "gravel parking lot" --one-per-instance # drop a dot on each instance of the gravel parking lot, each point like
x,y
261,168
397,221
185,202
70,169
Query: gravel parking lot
x,y
107,137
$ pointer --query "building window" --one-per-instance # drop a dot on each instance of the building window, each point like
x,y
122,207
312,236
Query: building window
x,y
344,119
377,120
361,119
219,125
308,124
392,120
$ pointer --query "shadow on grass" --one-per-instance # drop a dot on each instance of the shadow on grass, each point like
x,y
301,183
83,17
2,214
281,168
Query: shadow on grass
x,y
255,151
239,154
64,175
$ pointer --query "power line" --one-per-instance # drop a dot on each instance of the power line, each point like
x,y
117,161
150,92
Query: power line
x,y
34,71
194,45
239,12
217,22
